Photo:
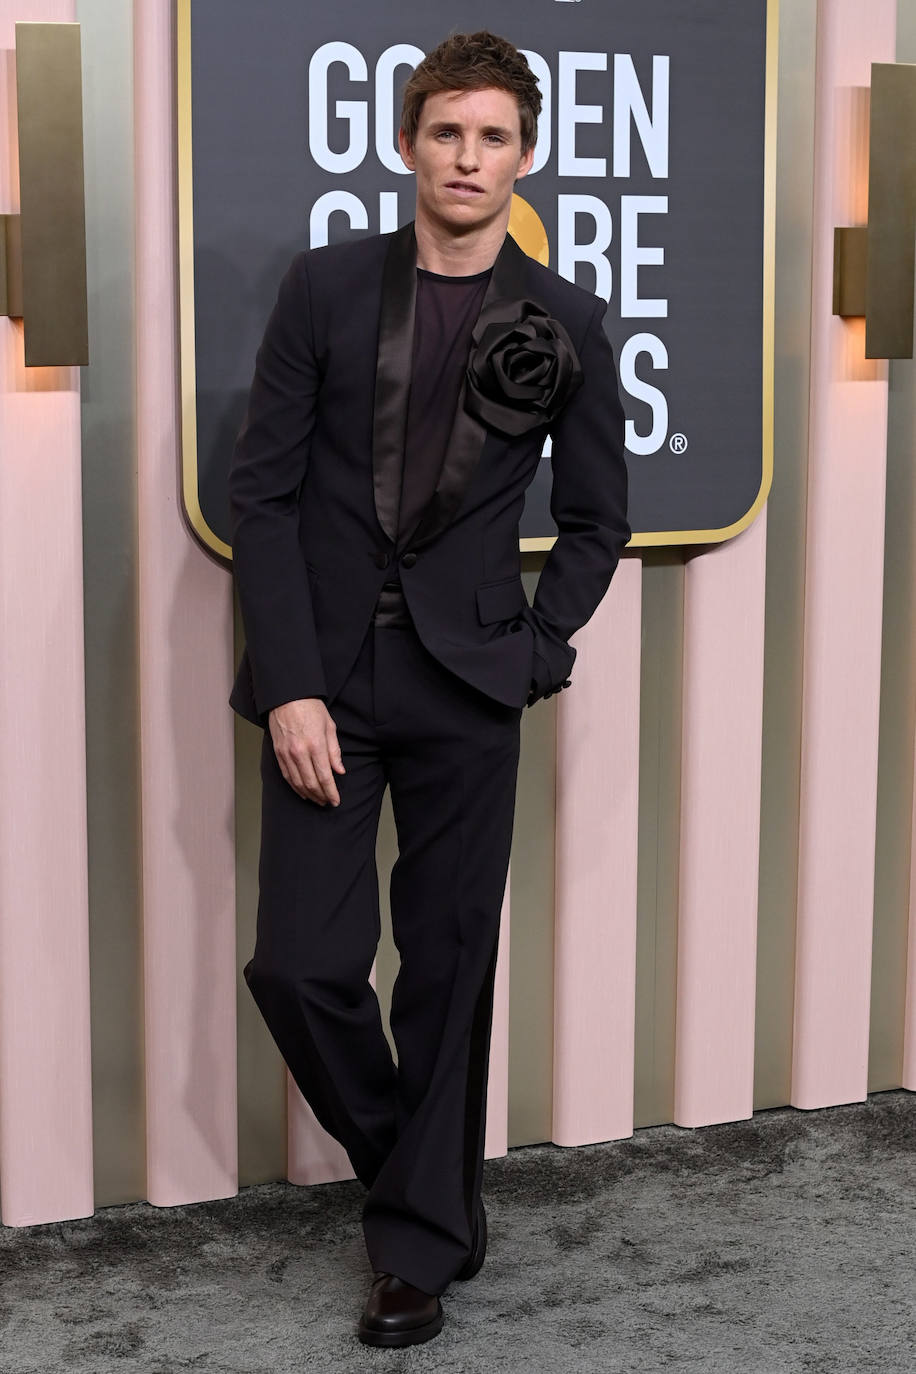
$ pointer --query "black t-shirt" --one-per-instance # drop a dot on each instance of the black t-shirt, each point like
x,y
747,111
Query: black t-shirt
x,y
446,312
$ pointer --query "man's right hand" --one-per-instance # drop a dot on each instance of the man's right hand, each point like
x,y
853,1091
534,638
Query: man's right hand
x,y
305,742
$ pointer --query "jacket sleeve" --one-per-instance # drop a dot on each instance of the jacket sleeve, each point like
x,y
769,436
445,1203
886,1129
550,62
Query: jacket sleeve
x,y
268,465
588,503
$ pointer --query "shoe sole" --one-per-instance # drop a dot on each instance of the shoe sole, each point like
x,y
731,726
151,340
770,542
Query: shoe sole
x,y
414,1336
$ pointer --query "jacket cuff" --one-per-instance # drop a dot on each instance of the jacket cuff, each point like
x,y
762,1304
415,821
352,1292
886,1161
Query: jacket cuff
x,y
544,684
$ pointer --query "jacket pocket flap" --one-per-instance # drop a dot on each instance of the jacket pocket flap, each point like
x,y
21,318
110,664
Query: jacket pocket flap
x,y
500,600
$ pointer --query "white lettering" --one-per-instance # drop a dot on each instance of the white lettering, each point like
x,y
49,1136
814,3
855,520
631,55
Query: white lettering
x,y
387,212
542,75
569,115
326,205
401,55
633,256
644,391
353,111
629,101
570,251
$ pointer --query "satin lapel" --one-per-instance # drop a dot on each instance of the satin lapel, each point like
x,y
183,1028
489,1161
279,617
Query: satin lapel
x,y
392,375
468,435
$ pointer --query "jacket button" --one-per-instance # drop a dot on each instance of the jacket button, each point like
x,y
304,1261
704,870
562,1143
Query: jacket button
x,y
381,558
408,560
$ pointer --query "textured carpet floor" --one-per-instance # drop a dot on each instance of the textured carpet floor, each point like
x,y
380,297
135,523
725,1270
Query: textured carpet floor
x,y
780,1244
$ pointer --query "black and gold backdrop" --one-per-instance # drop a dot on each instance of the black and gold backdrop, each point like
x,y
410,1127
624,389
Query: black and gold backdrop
x,y
649,187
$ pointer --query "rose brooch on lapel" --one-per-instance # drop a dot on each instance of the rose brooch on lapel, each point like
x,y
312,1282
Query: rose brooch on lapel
x,y
522,369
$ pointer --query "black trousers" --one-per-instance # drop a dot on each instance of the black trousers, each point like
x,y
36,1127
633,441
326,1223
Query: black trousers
x,y
414,1132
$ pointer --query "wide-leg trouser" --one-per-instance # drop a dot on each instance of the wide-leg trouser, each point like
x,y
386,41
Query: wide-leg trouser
x,y
414,1132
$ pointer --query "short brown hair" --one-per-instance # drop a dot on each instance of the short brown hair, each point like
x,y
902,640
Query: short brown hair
x,y
474,62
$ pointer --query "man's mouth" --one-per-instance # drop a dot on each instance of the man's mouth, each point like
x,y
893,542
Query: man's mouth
x,y
468,188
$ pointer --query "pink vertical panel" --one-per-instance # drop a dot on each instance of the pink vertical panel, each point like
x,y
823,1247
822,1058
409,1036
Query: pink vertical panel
x,y
45,1077
843,595
596,853
720,829
186,738
497,1136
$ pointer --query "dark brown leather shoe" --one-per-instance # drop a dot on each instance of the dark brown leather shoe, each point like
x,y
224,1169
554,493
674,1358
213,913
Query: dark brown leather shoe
x,y
396,1313
479,1249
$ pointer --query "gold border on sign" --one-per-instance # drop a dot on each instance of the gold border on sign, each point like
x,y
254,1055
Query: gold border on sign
x,y
673,538
190,480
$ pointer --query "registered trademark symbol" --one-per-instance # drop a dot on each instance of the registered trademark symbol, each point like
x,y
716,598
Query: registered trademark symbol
x,y
678,443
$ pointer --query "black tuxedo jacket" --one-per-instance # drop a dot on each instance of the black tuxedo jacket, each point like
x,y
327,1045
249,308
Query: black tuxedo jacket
x,y
315,485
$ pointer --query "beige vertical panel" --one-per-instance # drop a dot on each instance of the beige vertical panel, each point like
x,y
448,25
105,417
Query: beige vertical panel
x,y
785,559
894,829
262,1097
903,419
387,960
531,972
659,832
497,1136
110,594
908,1070
720,829
596,858
186,731
897,741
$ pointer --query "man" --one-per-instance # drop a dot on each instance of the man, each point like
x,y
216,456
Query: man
x,y
402,395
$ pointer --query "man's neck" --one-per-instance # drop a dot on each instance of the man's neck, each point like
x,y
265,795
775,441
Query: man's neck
x,y
458,255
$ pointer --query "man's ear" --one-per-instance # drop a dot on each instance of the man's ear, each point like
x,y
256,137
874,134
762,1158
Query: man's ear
x,y
524,166
406,151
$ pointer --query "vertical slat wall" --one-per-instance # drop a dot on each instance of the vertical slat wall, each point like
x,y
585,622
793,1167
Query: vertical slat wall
x,y
895,921
45,1083
497,1133
843,595
596,860
110,606
186,733
785,570
909,1030
720,830
592,949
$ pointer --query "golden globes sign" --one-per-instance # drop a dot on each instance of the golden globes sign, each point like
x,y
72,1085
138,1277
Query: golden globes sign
x,y
651,186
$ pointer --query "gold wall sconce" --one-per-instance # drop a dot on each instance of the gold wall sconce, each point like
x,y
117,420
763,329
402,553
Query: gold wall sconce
x,y
43,248
873,265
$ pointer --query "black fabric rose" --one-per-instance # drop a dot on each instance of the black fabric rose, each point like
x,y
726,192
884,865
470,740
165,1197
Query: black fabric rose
x,y
522,369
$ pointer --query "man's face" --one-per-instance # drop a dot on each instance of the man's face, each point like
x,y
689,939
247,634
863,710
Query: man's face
x,y
467,157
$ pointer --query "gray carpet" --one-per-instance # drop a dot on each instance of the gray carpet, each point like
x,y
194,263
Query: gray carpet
x,y
780,1244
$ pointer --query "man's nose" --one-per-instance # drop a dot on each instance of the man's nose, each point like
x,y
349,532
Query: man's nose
x,y
467,158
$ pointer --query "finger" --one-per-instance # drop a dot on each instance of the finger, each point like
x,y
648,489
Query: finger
x,y
295,775
334,753
322,766
311,782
